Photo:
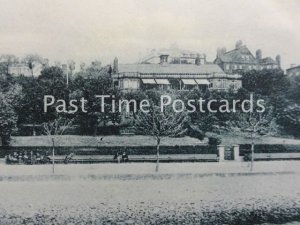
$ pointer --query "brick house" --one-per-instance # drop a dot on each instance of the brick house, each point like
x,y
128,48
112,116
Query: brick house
x,y
241,59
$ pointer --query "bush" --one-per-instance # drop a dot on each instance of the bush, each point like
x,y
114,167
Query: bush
x,y
268,148
214,139
111,150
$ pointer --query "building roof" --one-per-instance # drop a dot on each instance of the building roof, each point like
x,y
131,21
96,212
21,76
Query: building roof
x,y
293,67
238,55
171,52
267,60
170,68
244,56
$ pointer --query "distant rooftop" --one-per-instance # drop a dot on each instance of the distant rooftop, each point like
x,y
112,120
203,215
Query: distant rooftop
x,y
173,53
241,54
170,68
238,55
294,67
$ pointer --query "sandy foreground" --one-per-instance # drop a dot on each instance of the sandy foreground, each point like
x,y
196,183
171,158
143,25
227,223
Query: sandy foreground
x,y
181,193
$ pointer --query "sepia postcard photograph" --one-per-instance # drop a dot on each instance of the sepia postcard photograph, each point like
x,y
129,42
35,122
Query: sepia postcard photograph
x,y
150,112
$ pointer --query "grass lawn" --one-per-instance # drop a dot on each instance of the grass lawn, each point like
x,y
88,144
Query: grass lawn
x,y
113,140
138,140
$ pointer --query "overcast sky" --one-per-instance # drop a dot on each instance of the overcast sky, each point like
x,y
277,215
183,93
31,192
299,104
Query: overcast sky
x,y
94,29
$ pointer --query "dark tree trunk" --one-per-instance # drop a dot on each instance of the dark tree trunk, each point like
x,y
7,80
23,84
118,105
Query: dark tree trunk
x,y
252,153
157,155
95,129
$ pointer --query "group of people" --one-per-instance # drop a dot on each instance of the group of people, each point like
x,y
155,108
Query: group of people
x,y
27,158
121,157
38,158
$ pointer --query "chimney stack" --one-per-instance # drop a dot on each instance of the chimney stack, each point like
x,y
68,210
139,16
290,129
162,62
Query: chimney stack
x,y
220,52
278,60
198,60
238,44
163,59
258,54
116,65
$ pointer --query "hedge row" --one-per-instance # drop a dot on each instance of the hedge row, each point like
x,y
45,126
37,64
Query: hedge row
x,y
267,148
109,150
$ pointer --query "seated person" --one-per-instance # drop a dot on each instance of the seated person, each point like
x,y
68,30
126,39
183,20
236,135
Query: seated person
x,y
124,157
38,158
68,157
12,159
118,157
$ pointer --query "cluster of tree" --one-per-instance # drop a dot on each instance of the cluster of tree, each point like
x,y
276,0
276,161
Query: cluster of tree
x,y
283,95
22,100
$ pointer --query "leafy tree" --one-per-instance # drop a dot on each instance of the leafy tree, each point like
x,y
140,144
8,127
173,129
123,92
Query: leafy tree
x,y
6,61
8,115
289,118
53,83
6,81
8,120
293,93
265,82
31,109
160,124
88,83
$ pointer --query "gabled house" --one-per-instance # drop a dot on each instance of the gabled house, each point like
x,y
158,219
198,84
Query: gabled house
x,y
293,70
241,59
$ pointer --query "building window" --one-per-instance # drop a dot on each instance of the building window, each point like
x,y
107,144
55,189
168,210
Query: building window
x,y
220,84
227,67
235,84
130,84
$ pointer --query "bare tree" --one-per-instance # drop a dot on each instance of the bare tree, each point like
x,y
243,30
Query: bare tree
x,y
57,64
255,124
71,64
53,129
82,66
160,124
31,60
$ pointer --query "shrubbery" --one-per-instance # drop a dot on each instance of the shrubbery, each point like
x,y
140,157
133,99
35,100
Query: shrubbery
x,y
111,150
267,148
214,139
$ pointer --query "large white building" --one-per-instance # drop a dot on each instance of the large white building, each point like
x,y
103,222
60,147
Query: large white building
x,y
23,69
165,75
